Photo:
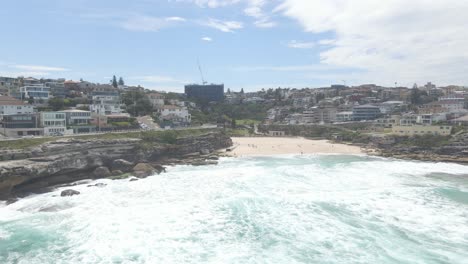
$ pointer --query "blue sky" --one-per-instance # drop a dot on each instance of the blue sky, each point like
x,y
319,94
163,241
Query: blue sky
x,y
247,44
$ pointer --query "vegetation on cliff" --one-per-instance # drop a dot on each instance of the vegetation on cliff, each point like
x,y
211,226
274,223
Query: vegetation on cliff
x,y
164,136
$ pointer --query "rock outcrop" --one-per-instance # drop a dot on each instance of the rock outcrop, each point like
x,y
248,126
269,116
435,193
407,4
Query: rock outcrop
x,y
69,160
69,192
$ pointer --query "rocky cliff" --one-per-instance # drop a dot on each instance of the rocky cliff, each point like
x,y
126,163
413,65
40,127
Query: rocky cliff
x,y
69,160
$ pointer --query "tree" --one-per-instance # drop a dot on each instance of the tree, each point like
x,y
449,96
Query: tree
x,y
114,81
121,81
137,103
56,104
31,100
233,123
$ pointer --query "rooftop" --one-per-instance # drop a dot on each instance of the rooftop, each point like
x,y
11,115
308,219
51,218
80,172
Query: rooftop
x,y
6,100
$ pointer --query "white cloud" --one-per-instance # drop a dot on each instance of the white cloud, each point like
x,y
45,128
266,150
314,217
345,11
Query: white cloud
x,y
178,19
211,3
301,45
15,74
207,39
38,68
224,26
157,79
149,23
395,40
264,23
289,68
255,9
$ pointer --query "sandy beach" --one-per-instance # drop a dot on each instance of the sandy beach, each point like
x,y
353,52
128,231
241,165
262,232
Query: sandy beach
x,y
252,146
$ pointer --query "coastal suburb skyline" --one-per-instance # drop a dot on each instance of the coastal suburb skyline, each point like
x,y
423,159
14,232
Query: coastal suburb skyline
x,y
250,44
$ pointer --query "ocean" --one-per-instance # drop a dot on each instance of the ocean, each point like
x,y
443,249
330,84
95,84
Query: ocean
x,y
278,209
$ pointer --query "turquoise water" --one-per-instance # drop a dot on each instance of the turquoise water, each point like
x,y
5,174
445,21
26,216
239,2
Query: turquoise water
x,y
283,209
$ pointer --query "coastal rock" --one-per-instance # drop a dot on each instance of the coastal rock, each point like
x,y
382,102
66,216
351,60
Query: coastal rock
x,y
99,184
117,173
205,151
11,200
133,179
142,170
159,168
122,165
66,160
69,192
101,172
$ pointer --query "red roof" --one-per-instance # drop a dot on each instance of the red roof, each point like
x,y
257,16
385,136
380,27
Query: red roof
x,y
6,100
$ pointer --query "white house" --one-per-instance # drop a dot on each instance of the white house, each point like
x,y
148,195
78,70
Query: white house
x,y
54,123
156,99
175,113
106,102
36,91
12,106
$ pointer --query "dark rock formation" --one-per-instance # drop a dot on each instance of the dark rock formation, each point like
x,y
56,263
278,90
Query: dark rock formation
x,y
117,172
99,184
69,160
122,165
69,192
142,170
101,172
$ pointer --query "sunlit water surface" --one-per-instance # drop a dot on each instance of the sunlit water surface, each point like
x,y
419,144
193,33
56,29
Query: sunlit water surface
x,y
283,209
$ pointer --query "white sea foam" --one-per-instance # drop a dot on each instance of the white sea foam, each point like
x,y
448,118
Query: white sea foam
x,y
283,209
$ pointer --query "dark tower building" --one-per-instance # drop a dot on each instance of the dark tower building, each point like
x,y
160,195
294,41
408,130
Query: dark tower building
x,y
206,92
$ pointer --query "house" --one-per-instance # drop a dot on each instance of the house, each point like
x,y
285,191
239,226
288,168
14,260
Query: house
x,y
175,114
36,91
365,112
12,106
156,99
344,116
414,130
54,123
79,121
105,102
18,125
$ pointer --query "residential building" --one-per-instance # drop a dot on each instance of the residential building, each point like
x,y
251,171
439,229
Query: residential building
x,y
324,114
175,114
365,112
18,125
79,121
389,107
344,116
415,130
57,88
156,99
388,122
12,106
36,91
105,102
205,92
54,123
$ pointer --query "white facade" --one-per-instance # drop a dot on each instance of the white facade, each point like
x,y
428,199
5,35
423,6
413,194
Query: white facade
x,y
106,103
36,91
181,114
11,106
415,130
54,123
156,99
344,116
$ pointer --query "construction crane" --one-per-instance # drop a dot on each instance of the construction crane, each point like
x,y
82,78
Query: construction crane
x,y
201,72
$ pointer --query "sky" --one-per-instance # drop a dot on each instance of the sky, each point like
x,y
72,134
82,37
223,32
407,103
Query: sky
x,y
250,44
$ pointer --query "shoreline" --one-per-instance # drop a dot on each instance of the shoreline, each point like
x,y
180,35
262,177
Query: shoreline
x,y
267,146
